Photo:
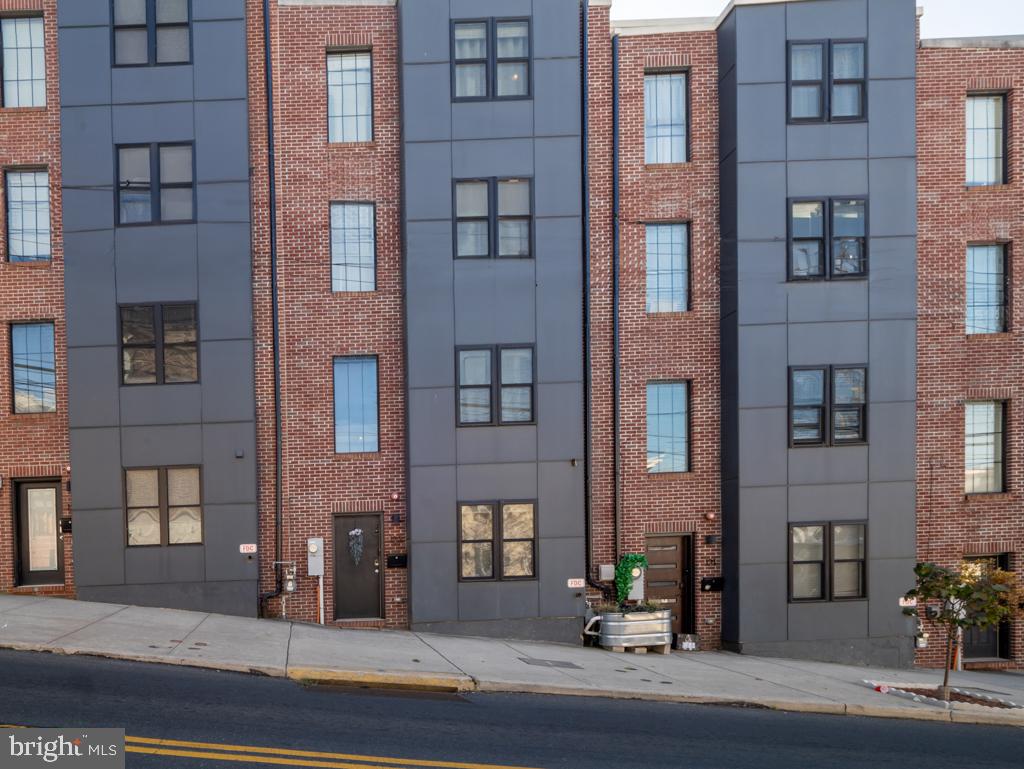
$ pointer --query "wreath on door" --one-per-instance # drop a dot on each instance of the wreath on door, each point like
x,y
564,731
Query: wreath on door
x,y
355,545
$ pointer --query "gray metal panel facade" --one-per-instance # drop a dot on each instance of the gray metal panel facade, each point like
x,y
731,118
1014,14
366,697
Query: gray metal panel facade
x,y
210,423
454,302
769,324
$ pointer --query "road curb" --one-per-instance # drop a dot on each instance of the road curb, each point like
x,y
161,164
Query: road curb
x,y
384,679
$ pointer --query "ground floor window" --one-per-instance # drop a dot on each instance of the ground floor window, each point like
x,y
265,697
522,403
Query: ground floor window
x,y
497,540
827,561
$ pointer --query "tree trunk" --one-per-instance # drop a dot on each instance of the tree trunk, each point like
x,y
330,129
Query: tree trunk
x,y
949,663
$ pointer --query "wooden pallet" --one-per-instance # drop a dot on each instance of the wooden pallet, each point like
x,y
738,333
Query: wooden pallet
x,y
659,649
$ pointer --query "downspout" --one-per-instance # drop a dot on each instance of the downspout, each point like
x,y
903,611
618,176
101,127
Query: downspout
x,y
616,356
272,190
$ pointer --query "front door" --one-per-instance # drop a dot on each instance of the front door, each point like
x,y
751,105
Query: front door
x,y
668,577
357,567
989,642
40,549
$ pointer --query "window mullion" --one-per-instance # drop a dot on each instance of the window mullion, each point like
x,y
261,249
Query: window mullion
x,y
158,342
154,184
151,30
162,503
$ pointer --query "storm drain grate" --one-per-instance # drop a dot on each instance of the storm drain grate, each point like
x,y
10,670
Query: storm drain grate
x,y
550,663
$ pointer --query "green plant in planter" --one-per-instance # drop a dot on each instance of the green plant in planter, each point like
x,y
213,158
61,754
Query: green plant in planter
x,y
624,574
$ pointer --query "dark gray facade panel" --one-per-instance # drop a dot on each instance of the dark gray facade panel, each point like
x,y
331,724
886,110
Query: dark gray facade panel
x,y
223,526
96,472
435,586
90,311
99,555
434,499
83,13
95,402
84,55
147,566
238,598
220,61
131,85
485,119
177,404
86,126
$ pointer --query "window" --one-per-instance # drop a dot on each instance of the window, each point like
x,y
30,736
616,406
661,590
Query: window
x,y
986,289
159,344
665,117
986,140
34,368
148,32
843,64
155,183
24,62
668,443
827,239
353,247
828,405
513,531
28,216
477,385
349,97
163,506
355,405
984,447
840,546
668,269
493,216
491,59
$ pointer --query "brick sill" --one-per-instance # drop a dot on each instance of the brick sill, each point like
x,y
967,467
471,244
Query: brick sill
x,y
986,497
989,188
668,166
17,110
39,264
349,457
33,415
995,337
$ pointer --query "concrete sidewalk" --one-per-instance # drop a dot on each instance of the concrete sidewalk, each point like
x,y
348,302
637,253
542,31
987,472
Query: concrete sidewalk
x,y
449,663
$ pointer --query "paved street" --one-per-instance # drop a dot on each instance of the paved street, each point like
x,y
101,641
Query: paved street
x,y
363,728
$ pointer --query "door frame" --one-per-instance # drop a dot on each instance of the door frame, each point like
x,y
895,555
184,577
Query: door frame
x,y
334,562
1004,629
17,486
687,586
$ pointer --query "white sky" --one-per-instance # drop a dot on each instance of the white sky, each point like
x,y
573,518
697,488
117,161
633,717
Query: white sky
x,y
942,18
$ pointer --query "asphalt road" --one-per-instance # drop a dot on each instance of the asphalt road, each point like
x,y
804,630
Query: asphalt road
x,y
211,710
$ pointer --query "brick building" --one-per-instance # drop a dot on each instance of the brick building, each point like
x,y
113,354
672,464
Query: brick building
x,y
475,296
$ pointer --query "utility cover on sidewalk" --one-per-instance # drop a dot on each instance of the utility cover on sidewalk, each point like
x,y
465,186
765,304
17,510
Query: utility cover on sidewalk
x,y
550,663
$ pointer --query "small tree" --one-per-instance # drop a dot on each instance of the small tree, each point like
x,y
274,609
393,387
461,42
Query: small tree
x,y
977,594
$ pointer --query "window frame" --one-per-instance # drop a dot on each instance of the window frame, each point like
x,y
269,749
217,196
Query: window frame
x,y
7,171
151,27
687,259
334,403
491,61
164,505
158,342
330,229
1005,166
828,256
688,404
3,91
495,387
829,407
334,51
1004,405
828,563
826,83
500,385
1007,315
861,81
10,358
686,72
493,218
497,539
155,186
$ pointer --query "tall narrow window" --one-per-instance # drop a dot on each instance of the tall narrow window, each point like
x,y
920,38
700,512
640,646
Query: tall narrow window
x,y
849,237
512,55
986,289
470,55
24,62
159,344
148,32
665,117
986,140
668,441
808,563
28,216
807,406
516,365
984,447
847,95
806,81
514,208
163,506
155,183
475,386
349,97
353,247
848,561
472,212
668,273
518,540
807,235
849,400
34,368
355,405
476,536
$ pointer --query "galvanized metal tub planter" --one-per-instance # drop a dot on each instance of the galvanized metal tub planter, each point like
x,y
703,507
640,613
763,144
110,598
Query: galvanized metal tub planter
x,y
633,630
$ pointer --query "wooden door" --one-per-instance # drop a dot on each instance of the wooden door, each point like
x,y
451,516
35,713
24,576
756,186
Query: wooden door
x,y
668,577
40,544
357,567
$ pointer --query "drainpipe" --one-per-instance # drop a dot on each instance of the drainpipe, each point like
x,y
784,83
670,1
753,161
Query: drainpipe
x,y
272,190
616,355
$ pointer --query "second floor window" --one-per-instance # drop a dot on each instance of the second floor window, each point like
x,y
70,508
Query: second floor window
x,y
353,247
24,62
665,117
986,140
828,405
512,389
163,506
668,434
355,405
349,97
33,368
148,32
491,59
512,532
668,269
155,183
493,217
828,239
827,81
28,216
159,344
986,289
984,447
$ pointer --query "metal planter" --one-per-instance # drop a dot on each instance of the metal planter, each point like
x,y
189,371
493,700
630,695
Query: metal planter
x,y
652,628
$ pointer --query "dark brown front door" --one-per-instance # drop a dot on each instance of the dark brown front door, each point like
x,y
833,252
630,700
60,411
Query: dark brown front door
x,y
40,547
357,567
989,642
668,576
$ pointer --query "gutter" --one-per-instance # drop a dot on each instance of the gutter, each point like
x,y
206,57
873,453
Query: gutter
x,y
616,353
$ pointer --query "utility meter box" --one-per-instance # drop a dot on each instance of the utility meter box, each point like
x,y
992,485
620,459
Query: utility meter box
x,y
636,593
315,556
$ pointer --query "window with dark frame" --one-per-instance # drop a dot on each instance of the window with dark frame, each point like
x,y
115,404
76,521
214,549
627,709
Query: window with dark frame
x,y
155,183
356,408
665,117
984,447
668,428
827,405
163,506
33,368
28,215
828,561
159,344
506,526
493,217
986,289
24,61
349,97
827,81
353,247
150,32
491,59
668,267
986,140
828,238
502,375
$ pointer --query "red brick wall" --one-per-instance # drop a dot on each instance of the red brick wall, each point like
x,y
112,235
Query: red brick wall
x,y
954,367
316,324
32,446
675,346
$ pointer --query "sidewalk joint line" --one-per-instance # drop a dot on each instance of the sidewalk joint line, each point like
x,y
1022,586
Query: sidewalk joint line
x,y
185,637
87,625
444,656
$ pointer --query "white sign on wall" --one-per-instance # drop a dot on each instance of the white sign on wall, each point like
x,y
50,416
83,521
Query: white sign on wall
x,y
247,548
